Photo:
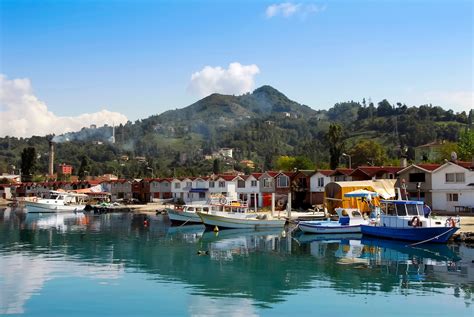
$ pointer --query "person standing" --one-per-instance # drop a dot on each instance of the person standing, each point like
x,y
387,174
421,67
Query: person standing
x,y
426,210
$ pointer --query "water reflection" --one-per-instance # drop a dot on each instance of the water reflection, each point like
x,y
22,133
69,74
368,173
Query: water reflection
x,y
260,268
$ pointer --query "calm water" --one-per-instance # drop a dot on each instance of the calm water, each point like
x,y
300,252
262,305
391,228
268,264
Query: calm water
x,y
80,265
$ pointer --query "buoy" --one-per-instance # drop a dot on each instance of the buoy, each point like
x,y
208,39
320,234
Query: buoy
x,y
216,229
145,223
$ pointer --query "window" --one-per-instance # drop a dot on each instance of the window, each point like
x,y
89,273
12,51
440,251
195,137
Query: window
x,y
202,195
455,178
240,184
282,181
320,181
221,184
412,210
452,197
401,211
189,184
267,183
416,177
212,184
177,185
253,183
391,210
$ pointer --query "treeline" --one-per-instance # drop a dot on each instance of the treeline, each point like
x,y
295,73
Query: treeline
x,y
175,143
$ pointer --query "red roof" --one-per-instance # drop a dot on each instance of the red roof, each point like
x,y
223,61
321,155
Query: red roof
x,y
373,170
325,172
467,165
228,177
343,171
256,175
428,166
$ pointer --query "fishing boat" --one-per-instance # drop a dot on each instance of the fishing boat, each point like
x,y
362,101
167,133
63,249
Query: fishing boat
x,y
240,220
57,202
405,220
187,214
350,220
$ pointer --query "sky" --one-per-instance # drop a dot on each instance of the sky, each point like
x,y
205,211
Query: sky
x,y
67,64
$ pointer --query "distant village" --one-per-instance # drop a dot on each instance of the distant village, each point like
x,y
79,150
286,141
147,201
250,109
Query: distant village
x,y
445,187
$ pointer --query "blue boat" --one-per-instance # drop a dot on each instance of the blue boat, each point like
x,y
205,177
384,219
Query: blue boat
x,y
405,220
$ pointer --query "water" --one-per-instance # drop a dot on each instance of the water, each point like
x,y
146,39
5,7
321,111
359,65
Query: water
x,y
80,265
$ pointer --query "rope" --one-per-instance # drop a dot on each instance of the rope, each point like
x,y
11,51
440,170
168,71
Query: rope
x,y
428,240
184,223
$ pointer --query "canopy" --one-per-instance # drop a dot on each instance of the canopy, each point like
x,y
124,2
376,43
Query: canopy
x,y
361,193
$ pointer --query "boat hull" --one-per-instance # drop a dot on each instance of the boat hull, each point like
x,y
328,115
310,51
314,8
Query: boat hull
x,y
442,234
37,207
229,222
321,229
180,217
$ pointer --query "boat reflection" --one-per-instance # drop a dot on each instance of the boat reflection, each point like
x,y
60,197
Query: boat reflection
x,y
263,267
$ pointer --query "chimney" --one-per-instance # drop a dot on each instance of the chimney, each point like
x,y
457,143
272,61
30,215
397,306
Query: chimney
x,y
403,162
51,158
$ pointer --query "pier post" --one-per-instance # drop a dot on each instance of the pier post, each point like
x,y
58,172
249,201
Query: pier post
x,y
273,204
288,206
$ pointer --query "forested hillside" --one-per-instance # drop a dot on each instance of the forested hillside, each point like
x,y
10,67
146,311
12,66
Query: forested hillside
x,y
261,126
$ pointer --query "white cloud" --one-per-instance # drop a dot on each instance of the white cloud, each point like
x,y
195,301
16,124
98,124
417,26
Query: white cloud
x,y
237,79
23,114
288,9
461,100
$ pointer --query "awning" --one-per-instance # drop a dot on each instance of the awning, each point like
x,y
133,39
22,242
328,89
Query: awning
x,y
198,190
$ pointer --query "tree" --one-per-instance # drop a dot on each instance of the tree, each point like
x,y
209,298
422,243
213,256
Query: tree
x,y
367,151
336,144
28,162
466,145
216,166
83,168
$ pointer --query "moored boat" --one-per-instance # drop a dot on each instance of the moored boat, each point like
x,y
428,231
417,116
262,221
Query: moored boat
x,y
237,220
350,220
186,214
405,220
57,202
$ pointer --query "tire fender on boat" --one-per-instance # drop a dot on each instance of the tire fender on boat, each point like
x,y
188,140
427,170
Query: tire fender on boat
x,y
450,222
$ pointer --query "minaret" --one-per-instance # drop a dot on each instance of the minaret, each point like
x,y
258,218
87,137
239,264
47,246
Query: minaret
x,y
112,139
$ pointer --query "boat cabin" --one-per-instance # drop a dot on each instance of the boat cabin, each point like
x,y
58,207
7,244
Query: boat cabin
x,y
349,215
405,214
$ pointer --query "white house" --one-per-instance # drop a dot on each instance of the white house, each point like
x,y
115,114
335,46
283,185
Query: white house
x,y
317,182
453,186
248,190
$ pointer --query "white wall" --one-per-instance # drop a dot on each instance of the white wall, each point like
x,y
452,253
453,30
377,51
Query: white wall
x,y
441,189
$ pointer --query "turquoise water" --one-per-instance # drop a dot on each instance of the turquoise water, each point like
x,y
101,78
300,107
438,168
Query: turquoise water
x,y
81,265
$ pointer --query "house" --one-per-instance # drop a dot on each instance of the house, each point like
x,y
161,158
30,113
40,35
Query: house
x,y
5,191
199,190
342,175
429,151
267,187
300,189
317,182
120,189
141,190
224,184
453,186
374,172
415,182
248,189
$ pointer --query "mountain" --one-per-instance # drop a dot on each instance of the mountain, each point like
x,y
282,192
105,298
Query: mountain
x,y
225,110
259,126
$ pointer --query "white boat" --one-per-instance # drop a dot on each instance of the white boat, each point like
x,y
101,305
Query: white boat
x,y
350,220
187,214
240,220
57,202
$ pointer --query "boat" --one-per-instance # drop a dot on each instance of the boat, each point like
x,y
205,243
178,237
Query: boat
x,y
405,220
240,220
57,202
186,214
350,221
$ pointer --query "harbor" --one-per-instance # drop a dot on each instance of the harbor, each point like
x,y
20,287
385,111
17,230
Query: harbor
x,y
86,260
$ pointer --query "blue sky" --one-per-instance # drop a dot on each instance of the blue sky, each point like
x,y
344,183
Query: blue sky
x,y
137,57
